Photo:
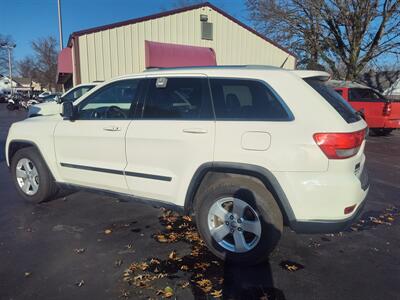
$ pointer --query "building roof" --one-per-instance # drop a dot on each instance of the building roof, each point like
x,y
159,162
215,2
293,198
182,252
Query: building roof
x,y
23,80
380,80
172,12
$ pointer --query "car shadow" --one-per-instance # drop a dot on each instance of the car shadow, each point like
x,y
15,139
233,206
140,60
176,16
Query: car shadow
x,y
2,153
250,282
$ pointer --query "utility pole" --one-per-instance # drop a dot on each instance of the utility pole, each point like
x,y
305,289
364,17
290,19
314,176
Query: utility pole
x,y
9,48
60,24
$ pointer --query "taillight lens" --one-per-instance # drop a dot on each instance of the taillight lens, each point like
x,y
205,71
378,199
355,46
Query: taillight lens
x,y
340,145
387,109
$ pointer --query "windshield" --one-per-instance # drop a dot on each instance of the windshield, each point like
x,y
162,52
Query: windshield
x,y
368,95
335,100
75,93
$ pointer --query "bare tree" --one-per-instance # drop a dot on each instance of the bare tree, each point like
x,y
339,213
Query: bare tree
x,y
4,54
26,67
332,32
45,58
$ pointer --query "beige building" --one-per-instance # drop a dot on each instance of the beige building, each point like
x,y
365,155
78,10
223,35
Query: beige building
x,y
104,52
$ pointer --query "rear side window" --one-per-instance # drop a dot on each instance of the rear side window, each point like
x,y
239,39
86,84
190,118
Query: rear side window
x,y
241,99
178,99
335,100
365,95
340,92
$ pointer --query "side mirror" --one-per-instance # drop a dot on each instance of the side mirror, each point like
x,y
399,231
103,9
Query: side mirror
x,y
57,98
68,110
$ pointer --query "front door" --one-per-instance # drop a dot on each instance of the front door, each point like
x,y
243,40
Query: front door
x,y
173,137
91,149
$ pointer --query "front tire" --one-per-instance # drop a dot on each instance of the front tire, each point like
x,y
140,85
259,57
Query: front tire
x,y
31,177
239,219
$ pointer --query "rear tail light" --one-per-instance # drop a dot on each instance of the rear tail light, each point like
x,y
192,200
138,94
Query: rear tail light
x,y
387,109
340,145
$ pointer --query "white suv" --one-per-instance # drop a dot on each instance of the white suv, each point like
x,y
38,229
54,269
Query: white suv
x,y
243,149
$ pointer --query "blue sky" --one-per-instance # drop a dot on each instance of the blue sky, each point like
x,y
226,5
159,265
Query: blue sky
x,y
26,20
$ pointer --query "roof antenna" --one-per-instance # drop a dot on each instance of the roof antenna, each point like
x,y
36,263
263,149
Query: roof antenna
x,y
284,62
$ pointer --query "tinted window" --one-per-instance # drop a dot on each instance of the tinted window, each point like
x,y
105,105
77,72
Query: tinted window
x,y
110,102
335,100
75,93
246,100
367,95
178,98
340,92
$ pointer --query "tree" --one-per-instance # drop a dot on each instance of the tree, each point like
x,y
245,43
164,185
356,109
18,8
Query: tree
x,y
26,67
46,55
4,54
332,32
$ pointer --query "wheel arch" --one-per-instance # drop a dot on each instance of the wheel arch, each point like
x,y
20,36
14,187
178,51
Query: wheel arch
x,y
15,145
225,168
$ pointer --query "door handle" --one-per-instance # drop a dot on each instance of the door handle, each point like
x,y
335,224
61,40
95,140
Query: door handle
x,y
112,128
195,130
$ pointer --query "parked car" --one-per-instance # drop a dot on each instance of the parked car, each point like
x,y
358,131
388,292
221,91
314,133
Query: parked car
x,y
382,115
52,108
232,146
44,94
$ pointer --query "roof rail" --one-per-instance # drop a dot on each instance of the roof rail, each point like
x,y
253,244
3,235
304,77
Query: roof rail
x,y
261,67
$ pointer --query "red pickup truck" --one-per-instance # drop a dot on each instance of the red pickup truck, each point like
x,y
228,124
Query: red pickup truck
x,y
382,115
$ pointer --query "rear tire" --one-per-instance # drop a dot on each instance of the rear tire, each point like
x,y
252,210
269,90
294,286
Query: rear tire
x,y
380,131
31,177
245,238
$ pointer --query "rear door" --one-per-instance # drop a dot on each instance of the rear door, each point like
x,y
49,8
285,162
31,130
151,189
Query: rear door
x,y
171,138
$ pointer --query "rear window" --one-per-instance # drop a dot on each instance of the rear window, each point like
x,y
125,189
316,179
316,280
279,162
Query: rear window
x,y
241,99
365,95
335,100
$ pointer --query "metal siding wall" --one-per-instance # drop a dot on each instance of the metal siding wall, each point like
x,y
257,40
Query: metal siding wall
x,y
119,51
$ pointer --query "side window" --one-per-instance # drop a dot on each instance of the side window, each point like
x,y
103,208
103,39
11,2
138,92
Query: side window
x,y
178,99
340,92
76,93
242,99
364,95
113,101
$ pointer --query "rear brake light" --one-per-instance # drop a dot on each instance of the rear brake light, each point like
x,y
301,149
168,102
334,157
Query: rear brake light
x,y
340,145
387,109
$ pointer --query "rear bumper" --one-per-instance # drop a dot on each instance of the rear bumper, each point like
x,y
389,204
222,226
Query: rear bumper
x,y
333,224
321,226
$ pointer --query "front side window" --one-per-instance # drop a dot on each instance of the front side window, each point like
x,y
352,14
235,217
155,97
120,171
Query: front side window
x,y
365,95
178,99
75,93
114,101
241,99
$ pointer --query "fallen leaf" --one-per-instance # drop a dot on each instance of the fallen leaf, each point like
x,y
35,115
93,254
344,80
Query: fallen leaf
x,y
168,292
107,231
216,294
118,263
185,284
172,255
80,283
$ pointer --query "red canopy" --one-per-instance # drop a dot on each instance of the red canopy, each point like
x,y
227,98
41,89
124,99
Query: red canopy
x,y
164,55
64,65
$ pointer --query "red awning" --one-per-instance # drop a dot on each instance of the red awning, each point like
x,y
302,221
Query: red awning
x,y
64,65
164,55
